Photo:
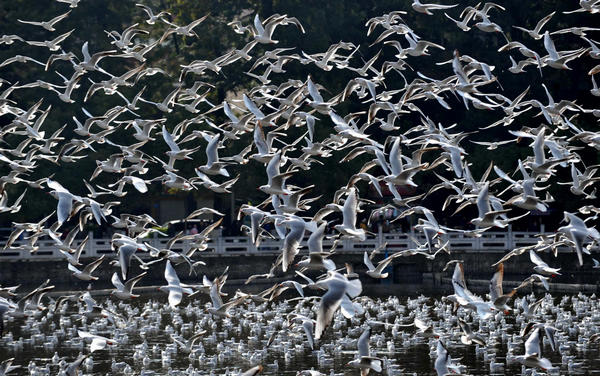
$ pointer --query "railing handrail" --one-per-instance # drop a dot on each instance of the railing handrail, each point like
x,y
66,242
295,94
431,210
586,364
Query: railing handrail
x,y
489,241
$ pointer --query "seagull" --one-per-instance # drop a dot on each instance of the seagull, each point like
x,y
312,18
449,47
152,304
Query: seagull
x,y
498,298
468,336
549,332
186,30
348,226
374,272
52,45
339,292
443,363
7,367
316,261
535,33
307,325
190,342
264,34
218,308
173,288
291,243
124,291
252,371
399,174
541,266
125,252
487,217
97,342
213,166
175,153
276,180
554,59
153,17
578,232
365,361
48,25
86,273
73,367
427,8
533,353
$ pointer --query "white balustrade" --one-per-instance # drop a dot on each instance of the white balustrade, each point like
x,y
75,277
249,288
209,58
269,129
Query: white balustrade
x,y
395,242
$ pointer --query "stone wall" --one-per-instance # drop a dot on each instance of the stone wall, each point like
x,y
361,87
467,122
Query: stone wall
x,y
414,274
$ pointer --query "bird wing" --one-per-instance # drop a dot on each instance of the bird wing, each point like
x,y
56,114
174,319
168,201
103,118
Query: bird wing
x,y
496,283
169,139
132,281
215,297
117,282
251,106
65,206
89,268
349,209
315,241
212,155
533,256
532,345
363,343
368,262
329,304
549,45
483,201
170,274
313,91
175,295
139,184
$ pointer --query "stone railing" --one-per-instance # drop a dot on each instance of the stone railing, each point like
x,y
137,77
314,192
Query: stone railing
x,y
489,241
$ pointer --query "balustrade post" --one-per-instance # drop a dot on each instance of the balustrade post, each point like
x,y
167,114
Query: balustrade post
x,y
91,245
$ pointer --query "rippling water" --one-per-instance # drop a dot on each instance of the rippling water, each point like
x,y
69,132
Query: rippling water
x,y
35,341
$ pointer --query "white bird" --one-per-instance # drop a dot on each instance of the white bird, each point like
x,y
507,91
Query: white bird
x,y
376,272
339,292
252,371
276,181
153,17
578,232
125,252
291,243
316,261
48,25
73,367
97,342
533,353
86,273
535,33
264,34
307,325
468,337
173,288
190,342
213,166
427,8
365,361
125,291
218,308
541,266
556,60
348,226
487,217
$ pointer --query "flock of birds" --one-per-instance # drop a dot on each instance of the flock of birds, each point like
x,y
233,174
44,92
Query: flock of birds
x,y
265,117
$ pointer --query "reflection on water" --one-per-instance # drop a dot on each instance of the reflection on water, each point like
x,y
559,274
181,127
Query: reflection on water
x,y
145,345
